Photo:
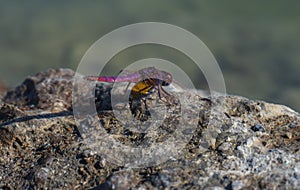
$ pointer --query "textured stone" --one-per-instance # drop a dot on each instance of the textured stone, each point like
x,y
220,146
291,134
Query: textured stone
x,y
42,147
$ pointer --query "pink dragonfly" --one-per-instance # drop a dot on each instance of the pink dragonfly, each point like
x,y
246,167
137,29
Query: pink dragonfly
x,y
146,79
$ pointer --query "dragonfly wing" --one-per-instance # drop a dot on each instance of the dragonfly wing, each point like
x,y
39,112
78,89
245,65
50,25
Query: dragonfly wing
x,y
125,72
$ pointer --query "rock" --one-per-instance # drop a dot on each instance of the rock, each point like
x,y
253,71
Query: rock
x,y
237,144
46,90
258,127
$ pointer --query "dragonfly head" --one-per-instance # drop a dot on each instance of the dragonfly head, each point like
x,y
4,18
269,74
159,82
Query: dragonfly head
x,y
167,79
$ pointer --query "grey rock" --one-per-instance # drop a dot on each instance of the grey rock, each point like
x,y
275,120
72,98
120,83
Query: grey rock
x,y
42,147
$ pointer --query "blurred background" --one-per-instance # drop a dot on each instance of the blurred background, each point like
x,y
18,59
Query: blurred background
x,y
256,43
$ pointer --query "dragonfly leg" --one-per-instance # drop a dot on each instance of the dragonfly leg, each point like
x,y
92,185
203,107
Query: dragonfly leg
x,y
127,87
162,90
165,94
145,104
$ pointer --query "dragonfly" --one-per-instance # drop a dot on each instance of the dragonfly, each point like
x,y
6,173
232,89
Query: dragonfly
x,y
146,80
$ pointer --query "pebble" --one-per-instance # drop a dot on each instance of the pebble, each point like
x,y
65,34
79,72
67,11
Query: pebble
x,y
258,128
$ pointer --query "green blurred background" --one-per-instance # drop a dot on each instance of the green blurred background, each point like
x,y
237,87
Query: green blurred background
x,y
256,43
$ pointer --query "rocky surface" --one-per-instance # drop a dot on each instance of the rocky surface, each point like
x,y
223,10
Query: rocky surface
x,y
244,144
